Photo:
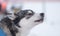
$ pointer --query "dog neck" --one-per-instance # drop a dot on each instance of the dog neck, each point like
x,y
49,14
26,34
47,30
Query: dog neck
x,y
24,31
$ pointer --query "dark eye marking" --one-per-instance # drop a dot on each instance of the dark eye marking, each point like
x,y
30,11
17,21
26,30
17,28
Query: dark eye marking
x,y
29,15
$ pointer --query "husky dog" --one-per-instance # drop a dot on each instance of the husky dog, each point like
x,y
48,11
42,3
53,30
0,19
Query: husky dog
x,y
26,19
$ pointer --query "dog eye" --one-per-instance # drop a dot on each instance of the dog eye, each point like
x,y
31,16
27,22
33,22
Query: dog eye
x,y
29,14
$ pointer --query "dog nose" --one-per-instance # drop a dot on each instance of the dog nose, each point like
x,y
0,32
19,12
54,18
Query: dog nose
x,y
42,14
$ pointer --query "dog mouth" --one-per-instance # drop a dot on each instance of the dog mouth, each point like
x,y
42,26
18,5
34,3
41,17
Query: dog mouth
x,y
40,20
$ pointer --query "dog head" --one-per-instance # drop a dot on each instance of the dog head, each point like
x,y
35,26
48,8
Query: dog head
x,y
30,18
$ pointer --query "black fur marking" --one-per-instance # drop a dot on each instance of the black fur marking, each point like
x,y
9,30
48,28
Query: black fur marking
x,y
10,25
21,15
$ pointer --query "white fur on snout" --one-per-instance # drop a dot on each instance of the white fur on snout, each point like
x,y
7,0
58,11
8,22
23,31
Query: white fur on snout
x,y
27,24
